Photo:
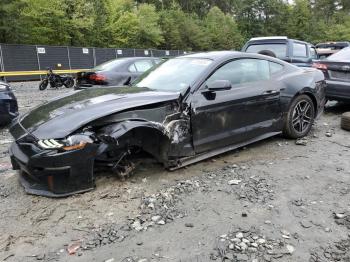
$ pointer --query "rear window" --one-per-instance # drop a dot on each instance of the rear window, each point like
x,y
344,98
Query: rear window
x,y
280,50
343,55
110,65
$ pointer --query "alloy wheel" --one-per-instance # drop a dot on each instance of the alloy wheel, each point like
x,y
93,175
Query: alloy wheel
x,y
302,116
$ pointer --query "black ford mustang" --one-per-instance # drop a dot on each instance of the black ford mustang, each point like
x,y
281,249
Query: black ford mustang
x,y
188,109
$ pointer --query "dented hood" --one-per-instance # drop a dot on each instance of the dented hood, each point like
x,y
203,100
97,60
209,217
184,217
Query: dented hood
x,y
62,116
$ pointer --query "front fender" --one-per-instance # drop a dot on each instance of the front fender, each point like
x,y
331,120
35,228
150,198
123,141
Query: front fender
x,y
150,136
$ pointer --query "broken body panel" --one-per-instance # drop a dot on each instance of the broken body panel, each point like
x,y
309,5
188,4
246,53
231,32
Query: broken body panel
x,y
176,128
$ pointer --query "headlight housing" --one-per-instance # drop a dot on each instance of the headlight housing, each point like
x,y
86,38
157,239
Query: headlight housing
x,y
4,87
72,142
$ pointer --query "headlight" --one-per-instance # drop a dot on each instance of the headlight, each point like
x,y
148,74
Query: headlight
x,y
50,144
4,87
71,143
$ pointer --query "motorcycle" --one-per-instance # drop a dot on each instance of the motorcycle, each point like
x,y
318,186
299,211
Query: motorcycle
x,y
56,80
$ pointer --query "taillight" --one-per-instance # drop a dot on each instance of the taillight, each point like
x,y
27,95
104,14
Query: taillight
x,y
98,77
319,66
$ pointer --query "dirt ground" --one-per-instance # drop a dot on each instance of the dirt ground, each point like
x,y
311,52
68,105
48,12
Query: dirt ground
x,y
271,201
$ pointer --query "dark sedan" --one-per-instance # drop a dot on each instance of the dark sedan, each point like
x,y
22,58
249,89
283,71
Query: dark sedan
x,y
8,104
116,72
188,109
336,69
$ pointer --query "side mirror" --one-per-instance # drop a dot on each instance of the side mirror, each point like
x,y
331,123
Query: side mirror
x,y
219,85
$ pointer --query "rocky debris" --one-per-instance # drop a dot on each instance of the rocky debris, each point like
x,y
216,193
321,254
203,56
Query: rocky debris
x,y
4,167
256,190
251,188
250,245
73,247
338,251
4,192
104,235
329,134
342,219
301,141
160,208
234,182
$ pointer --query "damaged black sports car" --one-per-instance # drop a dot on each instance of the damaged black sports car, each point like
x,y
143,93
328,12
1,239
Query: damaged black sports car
x,y
185,110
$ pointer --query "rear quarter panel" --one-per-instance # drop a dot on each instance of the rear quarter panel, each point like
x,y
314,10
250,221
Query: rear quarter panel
x,y
303,81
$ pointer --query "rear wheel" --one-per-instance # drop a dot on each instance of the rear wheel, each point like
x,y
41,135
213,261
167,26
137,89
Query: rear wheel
x,y
300,117
43,85
69,83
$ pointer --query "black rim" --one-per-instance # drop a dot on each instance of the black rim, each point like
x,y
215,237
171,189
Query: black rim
x,y
302,116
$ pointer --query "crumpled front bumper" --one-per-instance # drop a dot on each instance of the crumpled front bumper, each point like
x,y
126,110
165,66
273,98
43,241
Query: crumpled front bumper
x,y
52,173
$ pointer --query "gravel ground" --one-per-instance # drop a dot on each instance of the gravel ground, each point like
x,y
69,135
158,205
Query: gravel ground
x,y
276,200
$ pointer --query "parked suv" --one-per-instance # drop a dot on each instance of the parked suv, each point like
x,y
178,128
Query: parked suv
x,y
293,51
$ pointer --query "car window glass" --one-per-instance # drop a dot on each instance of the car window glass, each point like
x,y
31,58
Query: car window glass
x,y
299,50
275,68
110,65
174,74
313,53
242,71
132,68
280,50
143,65
157,61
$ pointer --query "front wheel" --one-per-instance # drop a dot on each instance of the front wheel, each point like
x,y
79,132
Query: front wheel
x,y
69,83
300,117
43,85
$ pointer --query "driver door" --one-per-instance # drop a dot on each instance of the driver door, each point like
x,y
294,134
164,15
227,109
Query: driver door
x,y
247,110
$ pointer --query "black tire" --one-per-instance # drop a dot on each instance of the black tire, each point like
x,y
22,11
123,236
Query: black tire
x,y
300,117
345,121
69,83
43,85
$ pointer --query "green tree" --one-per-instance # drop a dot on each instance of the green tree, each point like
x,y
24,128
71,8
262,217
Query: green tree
x,y
222,31
149,31
45,22
11,22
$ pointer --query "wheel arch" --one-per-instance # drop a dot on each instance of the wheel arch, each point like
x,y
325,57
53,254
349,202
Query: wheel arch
x,y
305,91
149,136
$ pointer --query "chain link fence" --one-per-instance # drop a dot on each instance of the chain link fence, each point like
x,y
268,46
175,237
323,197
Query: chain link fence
x,y
38,57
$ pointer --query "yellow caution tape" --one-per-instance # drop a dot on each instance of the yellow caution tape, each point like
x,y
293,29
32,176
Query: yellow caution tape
x,y
40,72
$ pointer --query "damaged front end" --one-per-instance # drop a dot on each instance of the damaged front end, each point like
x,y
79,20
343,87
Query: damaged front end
x,y
55,168
162,132
62,167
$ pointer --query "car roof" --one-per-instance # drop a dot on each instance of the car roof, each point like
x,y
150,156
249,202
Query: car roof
x,y
223,55
267,39
134,58
213,55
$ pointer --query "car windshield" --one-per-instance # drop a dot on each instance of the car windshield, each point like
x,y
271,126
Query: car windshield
x,y
109,65
343,55
174,75
280,50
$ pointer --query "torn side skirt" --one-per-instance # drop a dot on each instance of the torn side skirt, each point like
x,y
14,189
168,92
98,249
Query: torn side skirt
x,y
54,174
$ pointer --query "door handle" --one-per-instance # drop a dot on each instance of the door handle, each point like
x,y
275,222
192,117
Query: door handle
x,y
270,92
